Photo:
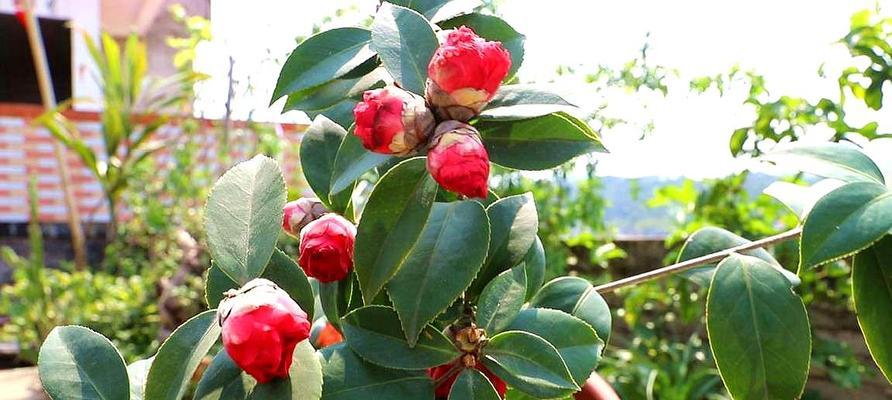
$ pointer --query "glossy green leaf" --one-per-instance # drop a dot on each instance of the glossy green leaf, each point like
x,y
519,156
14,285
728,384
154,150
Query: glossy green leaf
x,y
348,377
577,297
845,221
392,222
798,198
282,270
529,364
501,300
758,330
513,102
352,162
223,380
335,298
441,265
710,240
438,10
77,363
405,41
538,143
828,160
496,29
335,99
534,266
872,293
575,340
471,384
244,217
374,333
514,223
318,150
180,355
322,58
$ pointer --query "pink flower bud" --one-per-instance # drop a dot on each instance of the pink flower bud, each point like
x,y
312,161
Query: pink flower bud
x,y
301,212
261,327
464,74
392,121
458,161
326,248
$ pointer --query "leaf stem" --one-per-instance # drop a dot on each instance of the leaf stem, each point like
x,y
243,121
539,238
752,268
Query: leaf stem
x,y
696,262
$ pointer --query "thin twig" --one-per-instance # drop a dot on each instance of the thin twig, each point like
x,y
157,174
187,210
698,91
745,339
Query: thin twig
x,y
696,262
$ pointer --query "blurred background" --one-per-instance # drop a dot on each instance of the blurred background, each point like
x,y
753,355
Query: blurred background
x,y
101,190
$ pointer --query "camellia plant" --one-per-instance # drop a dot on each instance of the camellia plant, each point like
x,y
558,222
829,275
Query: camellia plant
x,y
431,285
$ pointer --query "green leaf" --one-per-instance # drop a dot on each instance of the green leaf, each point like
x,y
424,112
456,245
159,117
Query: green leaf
x,y
514,102
348,377
758,330
438,10
352,161
845,221
322,58
180,355
575,340
798,198
872,293
513,226
710,240
244,217
529,364
392,222
829,160
335,99
77,363
282,270
374,333
495,29
335,299
442,264
534,266
405,42
471,384
318,150
501,300
537,143
223,380
577,297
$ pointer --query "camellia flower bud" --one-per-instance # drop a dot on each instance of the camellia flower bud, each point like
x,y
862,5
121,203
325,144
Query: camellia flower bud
x,y
301,212
392,121
261,327
442,390
326,248
324,334
458,161
464,74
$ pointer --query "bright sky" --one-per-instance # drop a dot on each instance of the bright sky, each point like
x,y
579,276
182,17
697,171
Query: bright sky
x,y
784,40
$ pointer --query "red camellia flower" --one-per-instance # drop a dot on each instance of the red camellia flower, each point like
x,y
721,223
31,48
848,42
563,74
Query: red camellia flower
x,y
326,248
301,212
261,327
442,390
392,121
458,161
464,74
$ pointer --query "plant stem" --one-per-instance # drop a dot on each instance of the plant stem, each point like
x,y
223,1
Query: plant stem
x,y
696,262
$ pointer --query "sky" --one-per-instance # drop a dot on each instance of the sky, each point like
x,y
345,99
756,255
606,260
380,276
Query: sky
x,y
786,41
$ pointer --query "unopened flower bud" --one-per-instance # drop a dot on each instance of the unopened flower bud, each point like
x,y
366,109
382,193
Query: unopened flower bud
x,y
464,74
392,121
458,161
453,370
300,212
326,248
261,327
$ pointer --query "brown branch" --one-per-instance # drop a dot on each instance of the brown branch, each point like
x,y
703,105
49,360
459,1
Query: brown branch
x,y
696,262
